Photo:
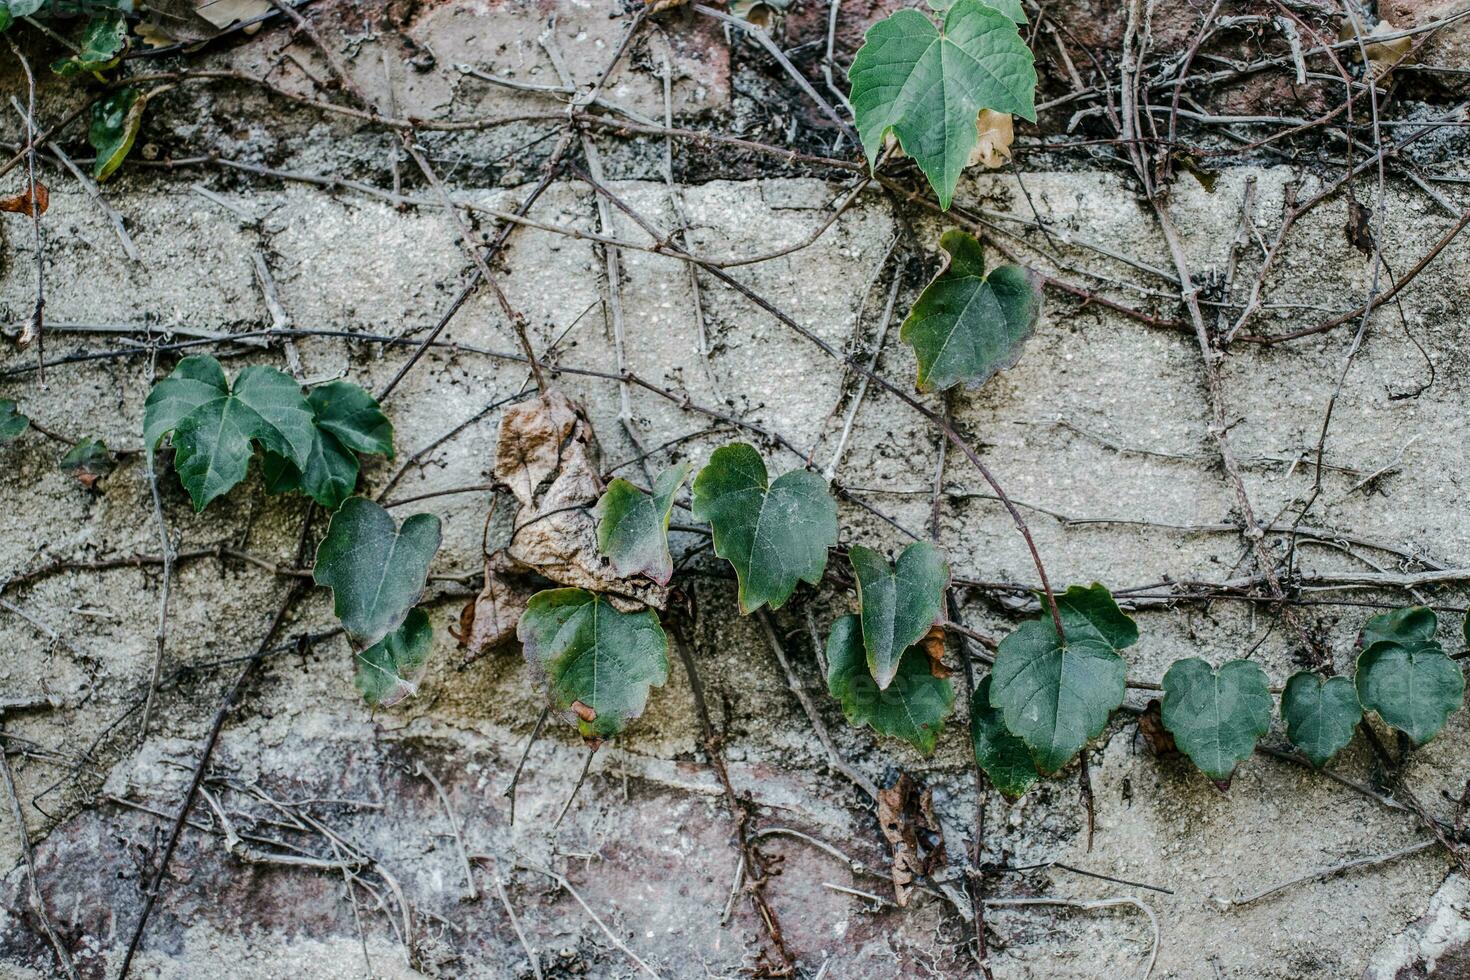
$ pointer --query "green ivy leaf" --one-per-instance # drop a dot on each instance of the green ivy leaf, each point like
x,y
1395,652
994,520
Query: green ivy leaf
x,y
928,85
103,45
116,119
966,325
1056,696
1216,716
633,527
774,533
390,670
214,424
598,663
1415,624
348,412
898,604
1320,714
88,461
346,418
913,707
12,423
1408,680
375,570
1002,755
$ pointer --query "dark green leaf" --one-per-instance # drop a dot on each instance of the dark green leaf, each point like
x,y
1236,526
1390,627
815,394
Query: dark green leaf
x,y
1011,8
1056,696
914,705
1412,685
329,478
966,325
1320,715
927,86
375,570
89,461
897,605
214,426
390,670
774,534
633,527
12,423
1416,624
116,119
103,45
353,416
1216,716
598,663
1002,755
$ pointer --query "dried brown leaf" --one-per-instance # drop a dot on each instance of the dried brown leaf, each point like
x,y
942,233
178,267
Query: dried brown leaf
x,y
907,819
996,131
35,197
1155,735
489,620
933,644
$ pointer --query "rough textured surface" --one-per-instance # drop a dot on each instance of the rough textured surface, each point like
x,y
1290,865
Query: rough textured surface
x,y
1100,431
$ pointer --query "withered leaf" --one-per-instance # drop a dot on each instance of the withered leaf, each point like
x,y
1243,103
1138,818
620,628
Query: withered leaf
x,y
489,620
994,131
907,819
30,202
933,644
1155,735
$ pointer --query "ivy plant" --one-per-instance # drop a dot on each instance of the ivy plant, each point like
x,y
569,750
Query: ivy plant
x,y
12,423
1320,714
633,526
899,602
1216,716
926,84
217,425
913,704
1405,676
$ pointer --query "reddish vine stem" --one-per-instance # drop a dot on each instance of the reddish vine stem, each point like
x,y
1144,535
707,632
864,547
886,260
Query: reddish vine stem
x,y
755,864
854,364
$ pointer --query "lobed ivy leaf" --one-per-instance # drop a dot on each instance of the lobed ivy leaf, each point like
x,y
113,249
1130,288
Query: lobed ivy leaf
x,y
13,10
375,569
103,45
391,669
1002,755
598,663
913,707
633,527
898,604
1216,716
215,425
1056,696
1404,675
12,423
116,119
926,85
346,420
88,461
774,533
1320,714
968,326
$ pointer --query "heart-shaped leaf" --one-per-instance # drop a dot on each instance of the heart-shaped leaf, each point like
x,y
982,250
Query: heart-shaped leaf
x,y
1410,682
898,604
88,461
375,570
1216,716
1056,696
214,425
346,419
927,85
12,423
103,45
1320,714
633,527
598,663
775,534
914,705
116,119
1002,755
1415,624
390,670
966,325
